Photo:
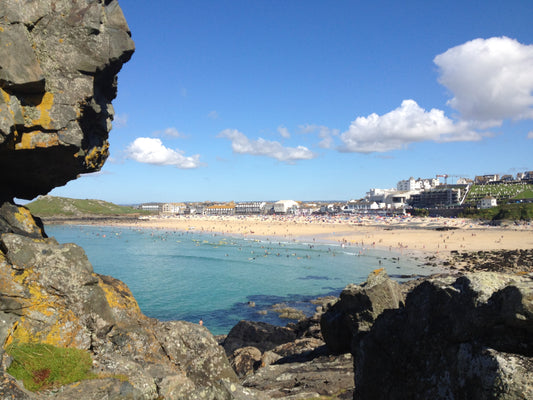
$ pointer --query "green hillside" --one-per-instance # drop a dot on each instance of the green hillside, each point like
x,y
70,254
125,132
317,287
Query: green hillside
x,y
49,206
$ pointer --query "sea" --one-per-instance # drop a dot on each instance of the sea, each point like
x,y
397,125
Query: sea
x,y
221,279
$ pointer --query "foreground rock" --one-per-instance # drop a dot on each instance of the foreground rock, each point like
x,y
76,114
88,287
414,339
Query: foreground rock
x,y
344,323
58,65
50,294
467,337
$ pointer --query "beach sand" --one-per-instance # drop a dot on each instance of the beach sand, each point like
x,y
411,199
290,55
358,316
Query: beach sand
x,y
408,235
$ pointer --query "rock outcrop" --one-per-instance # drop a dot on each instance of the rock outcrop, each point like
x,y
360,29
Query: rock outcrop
x,y
50,294
344,322
58,66
467,337
59,61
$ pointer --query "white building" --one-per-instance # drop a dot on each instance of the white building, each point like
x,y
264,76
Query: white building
x,y
488,202
413,184
250,207
173,208
286,207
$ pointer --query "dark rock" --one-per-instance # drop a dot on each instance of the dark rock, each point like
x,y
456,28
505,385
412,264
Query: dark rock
x,y
323,376
358,307
58,67
257,334
459,338
246,360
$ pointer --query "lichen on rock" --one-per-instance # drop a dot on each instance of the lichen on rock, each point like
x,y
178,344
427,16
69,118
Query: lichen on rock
x,y
58,66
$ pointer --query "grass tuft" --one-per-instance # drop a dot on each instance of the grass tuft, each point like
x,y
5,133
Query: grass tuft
x,y
43,366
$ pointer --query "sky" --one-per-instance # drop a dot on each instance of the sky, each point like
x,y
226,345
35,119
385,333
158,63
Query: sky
x,y
315,100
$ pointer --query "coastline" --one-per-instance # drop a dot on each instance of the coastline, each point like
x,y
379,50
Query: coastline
x,y
410,236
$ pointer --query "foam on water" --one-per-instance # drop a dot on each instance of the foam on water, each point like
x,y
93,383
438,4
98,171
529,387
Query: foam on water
x,y
192,276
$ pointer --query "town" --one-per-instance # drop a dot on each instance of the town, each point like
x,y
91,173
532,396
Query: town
x,y
432,194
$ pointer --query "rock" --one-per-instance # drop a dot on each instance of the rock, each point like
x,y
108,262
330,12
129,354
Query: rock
x,y
58,67
261,335
246,360
345,321
50,294
457,337
17,219
323,376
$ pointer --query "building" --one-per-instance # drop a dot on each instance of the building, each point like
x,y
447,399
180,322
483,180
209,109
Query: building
x,y
360,207
220,209
250,207
487,202
413,184
286,207
173,208
438,197
484,179
153,207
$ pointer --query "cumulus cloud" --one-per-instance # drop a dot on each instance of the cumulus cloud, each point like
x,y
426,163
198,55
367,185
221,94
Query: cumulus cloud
x,y
406,124
261,147
284,132
152,151
490,79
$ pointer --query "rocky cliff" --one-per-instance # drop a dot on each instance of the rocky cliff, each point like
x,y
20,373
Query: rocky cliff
x,y
59,61
58,65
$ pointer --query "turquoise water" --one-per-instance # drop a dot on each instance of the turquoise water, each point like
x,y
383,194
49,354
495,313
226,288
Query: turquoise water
x,y
191,276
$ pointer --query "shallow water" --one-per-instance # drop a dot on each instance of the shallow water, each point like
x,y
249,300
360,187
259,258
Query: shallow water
x,y
191,276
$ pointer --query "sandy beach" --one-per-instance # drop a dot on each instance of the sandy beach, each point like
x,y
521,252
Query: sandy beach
x,y
409,235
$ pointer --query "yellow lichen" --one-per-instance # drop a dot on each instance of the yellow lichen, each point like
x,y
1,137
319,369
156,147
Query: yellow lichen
x,y
96,156
33,140
118,295
44,108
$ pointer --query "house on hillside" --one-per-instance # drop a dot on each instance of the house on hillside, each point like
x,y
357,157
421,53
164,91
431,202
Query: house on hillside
x,y
487,202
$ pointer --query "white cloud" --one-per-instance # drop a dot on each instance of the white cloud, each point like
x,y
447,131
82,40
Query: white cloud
x,y
324,133
152,151
261,147
406,124
212,115
530,135
490,79
284,132
170,132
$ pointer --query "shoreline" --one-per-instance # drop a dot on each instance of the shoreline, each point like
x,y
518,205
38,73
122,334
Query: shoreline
x,y
409,236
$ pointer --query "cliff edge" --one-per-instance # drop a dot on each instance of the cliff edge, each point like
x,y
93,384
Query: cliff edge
x,y
59,61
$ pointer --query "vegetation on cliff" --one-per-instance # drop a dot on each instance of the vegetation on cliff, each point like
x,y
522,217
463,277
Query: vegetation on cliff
x,y
43,366
49,206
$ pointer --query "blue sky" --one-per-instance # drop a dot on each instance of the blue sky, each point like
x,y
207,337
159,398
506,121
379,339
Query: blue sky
x,y
308,100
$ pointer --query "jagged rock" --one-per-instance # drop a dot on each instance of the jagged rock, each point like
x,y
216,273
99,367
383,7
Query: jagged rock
x,y
246,360
358,307
58,65
257,334
50,294
456,338
17,219
323,376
